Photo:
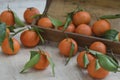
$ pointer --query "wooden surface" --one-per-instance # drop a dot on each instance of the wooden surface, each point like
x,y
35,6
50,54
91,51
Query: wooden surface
x,y
10,66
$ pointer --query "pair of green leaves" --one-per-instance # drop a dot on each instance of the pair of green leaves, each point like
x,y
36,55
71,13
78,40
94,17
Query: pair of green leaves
x,y
34,59
110,16
112,35
105,61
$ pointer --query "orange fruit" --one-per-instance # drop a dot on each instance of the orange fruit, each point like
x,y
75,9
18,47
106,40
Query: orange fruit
x,y
80,58
81,17
45,22
99,74
29,38
100,27
43,62
83,29
70,28
6,47
98,46
7,17
29,13
65,47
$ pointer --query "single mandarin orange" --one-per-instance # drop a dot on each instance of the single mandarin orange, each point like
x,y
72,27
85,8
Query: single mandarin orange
x,y
29,38
81,17
7,49
98,46
65,46
7,17
83,29
29,13
100,27
45,22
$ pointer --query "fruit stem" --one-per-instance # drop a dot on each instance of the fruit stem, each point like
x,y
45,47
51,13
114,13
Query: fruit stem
x,y
8,8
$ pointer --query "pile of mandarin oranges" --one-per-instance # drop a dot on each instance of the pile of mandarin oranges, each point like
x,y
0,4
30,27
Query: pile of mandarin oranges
x,y
77,22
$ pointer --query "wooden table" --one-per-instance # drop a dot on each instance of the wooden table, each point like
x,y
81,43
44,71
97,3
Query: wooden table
x,y
10,66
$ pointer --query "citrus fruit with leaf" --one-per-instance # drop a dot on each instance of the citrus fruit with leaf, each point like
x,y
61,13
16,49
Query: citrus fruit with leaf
x,y
98,46
39,60
7,17
70,28
29,13
84,58
10,46
100,27
65,46
83,29
96,73
81,17
45,22
30,38
43,62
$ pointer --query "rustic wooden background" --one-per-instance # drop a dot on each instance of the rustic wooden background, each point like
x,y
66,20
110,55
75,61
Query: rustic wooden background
x,y
97,8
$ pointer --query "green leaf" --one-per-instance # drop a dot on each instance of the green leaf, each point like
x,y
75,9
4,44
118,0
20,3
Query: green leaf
x,y
68,20
36,16
52,64
111,35
11,43
55,22
106,63
93,52
85,59
33,53
97,65
71,53
17,20
110,16
38,32
35,57
2,32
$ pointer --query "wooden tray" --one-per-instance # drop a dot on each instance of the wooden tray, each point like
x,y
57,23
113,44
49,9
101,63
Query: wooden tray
x,y
56,10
